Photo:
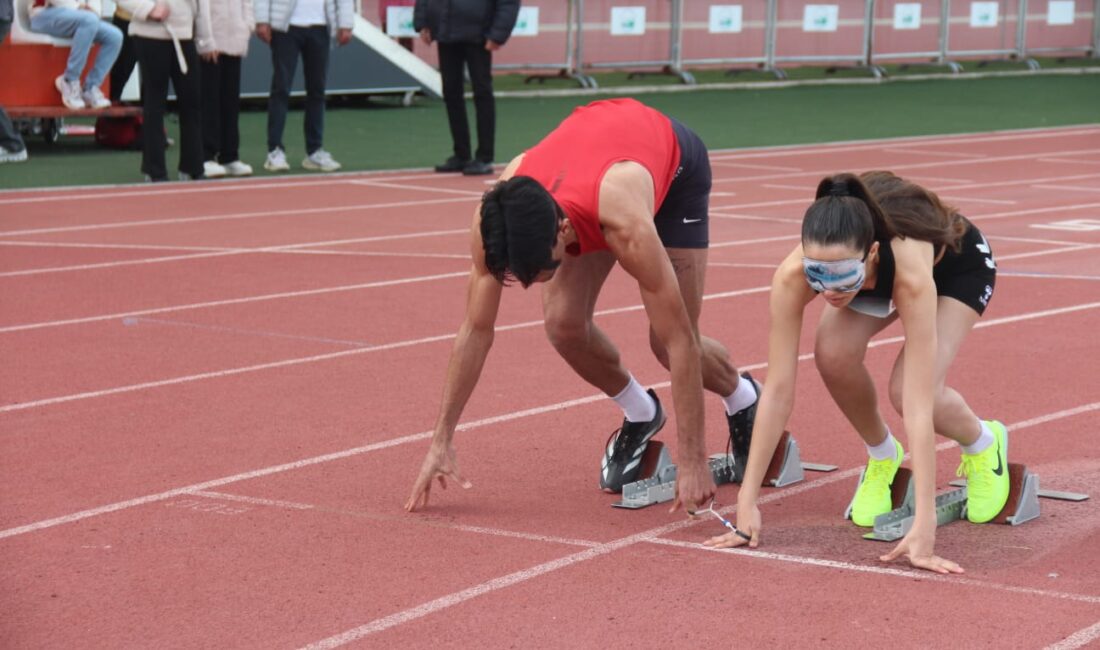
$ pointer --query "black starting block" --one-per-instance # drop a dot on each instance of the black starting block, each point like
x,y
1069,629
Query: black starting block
x,y
1022,505
659,484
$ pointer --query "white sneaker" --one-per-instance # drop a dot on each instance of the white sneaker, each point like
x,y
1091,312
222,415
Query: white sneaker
x,y
12,156
70,93
238,168
321,160
93,98
211,169
276,161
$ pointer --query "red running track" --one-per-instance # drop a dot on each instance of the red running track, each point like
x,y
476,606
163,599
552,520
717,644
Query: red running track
x,y
217,395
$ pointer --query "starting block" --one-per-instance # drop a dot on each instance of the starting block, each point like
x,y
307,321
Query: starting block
x,y
1022,505
659,486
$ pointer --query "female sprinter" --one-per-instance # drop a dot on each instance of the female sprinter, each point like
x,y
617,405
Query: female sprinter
x,y
879,248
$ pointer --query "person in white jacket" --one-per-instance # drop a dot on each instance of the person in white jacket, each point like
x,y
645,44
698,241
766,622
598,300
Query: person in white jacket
x,y
80,21
232,22
166,34
303,28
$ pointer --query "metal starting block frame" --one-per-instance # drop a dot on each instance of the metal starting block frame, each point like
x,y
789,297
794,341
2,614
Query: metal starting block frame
x,y
660,485
1022,505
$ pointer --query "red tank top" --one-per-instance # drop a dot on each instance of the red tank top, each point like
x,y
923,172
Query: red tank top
x,y
571,161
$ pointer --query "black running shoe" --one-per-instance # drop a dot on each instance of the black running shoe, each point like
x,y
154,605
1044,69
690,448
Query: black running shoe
x,y
622,459
740,424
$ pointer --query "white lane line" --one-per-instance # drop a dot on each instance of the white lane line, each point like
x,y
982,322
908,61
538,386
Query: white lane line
x,y
721,162
743,265
1069,162
1034,240
237,330
652,535
465,426
20,406
751,217
762,240
144,247
301,247
1031,211
123,191
1067,249
1078,639
1067,187
418,188
805,189
974,199
235,301
917,152
480,530
1042,276
297,212
924,140
253,500
908,574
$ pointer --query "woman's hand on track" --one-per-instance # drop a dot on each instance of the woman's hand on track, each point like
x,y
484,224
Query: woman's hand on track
x,y
918,546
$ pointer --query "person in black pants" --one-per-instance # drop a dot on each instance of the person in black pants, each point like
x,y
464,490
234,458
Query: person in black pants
x,y
159,63
468,32
126,61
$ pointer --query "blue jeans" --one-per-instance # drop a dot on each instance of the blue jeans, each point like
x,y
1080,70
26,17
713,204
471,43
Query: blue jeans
x,y
312,45
85,28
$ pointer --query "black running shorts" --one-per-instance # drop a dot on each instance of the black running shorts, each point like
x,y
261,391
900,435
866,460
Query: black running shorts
x,y
970,275
682,218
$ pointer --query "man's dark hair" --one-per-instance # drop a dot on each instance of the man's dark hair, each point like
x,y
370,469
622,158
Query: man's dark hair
x,y
519,228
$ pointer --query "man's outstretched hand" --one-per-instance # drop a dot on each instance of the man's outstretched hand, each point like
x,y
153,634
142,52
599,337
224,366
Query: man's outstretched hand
x,y
440,464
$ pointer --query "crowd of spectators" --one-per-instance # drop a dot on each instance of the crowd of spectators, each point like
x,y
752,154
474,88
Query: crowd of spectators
x,y
198,46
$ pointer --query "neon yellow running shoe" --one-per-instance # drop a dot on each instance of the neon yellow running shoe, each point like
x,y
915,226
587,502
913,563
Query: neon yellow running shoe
x,y
873,496
987,477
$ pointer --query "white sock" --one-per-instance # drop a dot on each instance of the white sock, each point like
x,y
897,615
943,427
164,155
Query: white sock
x,y
885,450
742,397
985,441
636,404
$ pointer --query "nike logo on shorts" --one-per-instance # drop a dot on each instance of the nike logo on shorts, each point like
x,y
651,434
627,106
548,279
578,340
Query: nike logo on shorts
x,y
692,220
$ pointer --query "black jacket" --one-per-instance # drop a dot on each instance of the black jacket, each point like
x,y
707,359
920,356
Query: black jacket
x,y
466,21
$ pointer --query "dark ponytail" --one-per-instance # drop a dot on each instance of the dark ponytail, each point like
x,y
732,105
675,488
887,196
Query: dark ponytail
x,y
914,211
519,228
845,213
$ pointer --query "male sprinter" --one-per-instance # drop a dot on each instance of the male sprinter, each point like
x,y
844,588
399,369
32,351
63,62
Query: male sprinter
x,y
616,181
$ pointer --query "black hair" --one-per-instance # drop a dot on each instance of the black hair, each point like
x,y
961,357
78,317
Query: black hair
x,y
845,213
519,228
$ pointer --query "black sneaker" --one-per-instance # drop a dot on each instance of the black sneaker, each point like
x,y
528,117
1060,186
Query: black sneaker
x,y
477,168
622,459
452,164
740,424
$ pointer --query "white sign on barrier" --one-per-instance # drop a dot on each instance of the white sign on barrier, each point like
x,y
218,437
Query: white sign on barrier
x,y
820,18
527,22
399,22
907,15
725,19
627,21
1060,12
984,14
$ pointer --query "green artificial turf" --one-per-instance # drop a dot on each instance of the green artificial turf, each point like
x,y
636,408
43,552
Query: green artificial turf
x,y
383,135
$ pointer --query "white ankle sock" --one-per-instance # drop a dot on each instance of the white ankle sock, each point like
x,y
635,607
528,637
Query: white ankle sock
x,y
742,397
985,441
885,450
636,404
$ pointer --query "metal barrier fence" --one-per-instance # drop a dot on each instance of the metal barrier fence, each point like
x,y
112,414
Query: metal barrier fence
x,y
578,36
